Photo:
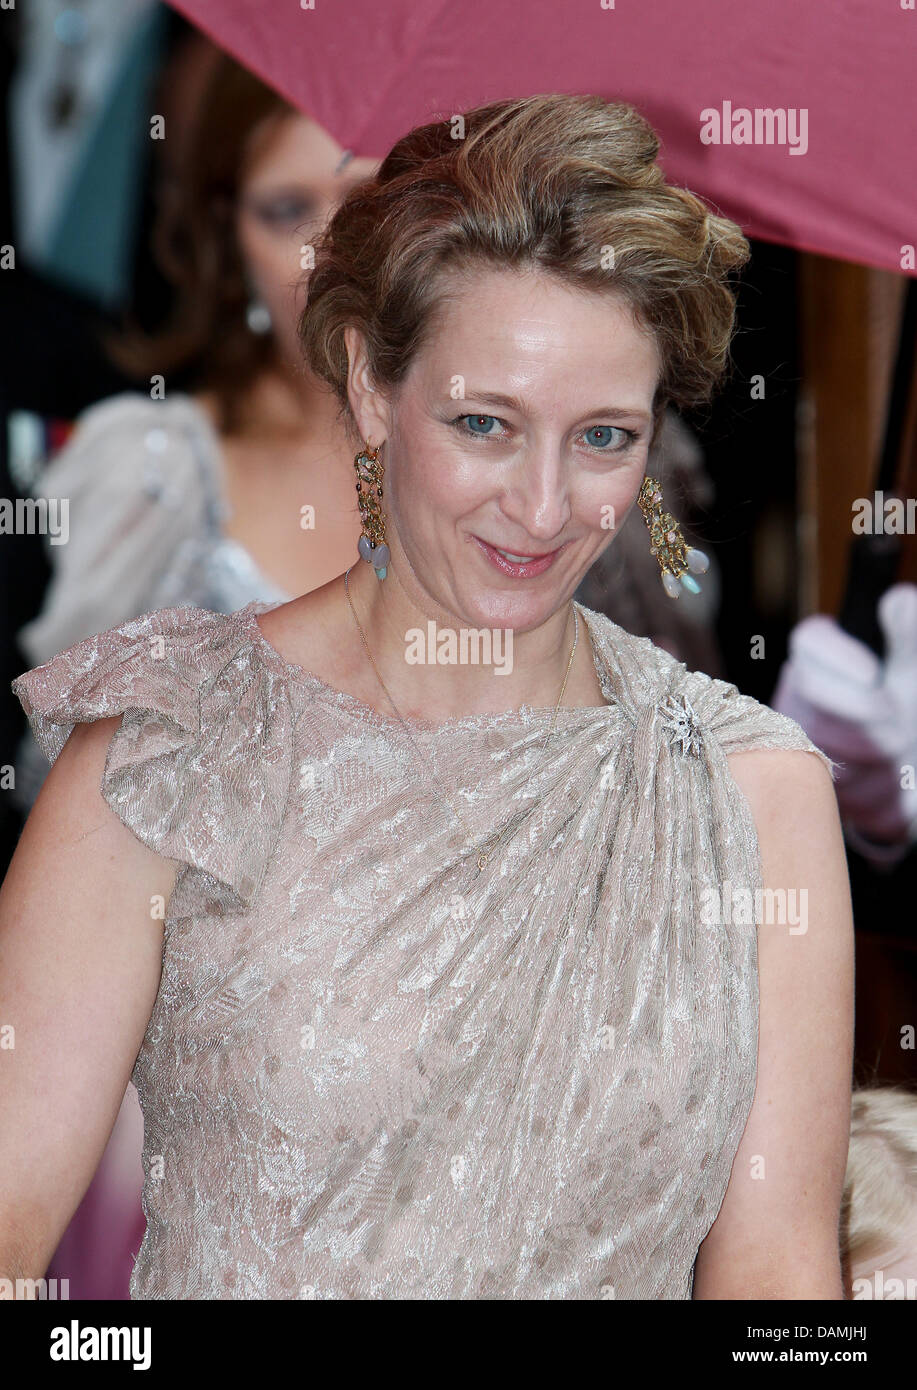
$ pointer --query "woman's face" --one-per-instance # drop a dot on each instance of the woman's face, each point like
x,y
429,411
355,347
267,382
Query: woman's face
x,y
286,195
558,470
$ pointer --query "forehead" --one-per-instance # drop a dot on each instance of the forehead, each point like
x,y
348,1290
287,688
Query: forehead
x,y
523,325
293,147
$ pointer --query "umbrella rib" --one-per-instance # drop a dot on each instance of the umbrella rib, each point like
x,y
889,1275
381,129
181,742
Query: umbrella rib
x,y
397,73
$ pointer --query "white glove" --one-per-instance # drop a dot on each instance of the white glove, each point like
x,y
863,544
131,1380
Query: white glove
x,y
862,712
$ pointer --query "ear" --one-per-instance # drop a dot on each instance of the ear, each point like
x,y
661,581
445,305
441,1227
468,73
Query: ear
x,y
370,408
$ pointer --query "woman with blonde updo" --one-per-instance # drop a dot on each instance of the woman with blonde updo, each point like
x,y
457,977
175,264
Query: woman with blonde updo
x,y
403,887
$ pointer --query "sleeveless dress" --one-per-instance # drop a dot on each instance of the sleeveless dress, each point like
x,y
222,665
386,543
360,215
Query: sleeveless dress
x,y
372,1072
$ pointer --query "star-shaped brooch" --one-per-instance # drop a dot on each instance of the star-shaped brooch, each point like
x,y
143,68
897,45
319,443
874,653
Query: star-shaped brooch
x,y
682,725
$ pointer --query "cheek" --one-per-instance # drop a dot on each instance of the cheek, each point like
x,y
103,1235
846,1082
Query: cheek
x,y
603,503
272,261
436,483
425,490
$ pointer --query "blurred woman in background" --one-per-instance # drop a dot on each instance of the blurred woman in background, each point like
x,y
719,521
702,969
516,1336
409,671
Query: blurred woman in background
x,y
239,485
196,495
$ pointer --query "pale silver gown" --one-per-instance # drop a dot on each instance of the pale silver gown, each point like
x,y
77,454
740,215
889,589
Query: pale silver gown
x,y
369,1074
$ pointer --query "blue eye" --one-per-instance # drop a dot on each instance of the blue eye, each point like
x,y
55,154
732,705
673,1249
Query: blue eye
x,y
597,436
606,431
473,422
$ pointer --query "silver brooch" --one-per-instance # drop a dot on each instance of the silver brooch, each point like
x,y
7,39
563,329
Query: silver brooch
x,y
682,724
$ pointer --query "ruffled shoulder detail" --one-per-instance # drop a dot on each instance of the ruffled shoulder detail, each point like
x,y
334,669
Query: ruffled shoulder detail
x,y
201,764
661,696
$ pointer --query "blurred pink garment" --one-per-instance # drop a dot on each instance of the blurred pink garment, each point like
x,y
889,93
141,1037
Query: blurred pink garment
x,y
863,712
99,1247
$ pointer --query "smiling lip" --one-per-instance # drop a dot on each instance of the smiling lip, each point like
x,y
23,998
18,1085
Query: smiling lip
x,y
516,568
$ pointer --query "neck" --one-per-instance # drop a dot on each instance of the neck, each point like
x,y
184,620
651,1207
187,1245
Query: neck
x,y
535,662
291,402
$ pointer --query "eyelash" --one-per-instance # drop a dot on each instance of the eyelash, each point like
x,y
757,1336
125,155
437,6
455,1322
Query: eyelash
x,y
458,424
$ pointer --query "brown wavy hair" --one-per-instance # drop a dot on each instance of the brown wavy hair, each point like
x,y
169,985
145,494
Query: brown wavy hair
x,y
196,248
549,182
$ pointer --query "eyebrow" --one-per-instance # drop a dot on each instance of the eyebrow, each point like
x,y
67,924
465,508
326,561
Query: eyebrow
x,y
513,403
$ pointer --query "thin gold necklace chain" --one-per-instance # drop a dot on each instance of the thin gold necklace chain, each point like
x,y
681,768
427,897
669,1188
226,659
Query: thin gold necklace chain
x,y
484,856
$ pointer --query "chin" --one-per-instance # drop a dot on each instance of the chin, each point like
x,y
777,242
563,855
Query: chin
x,y
521,612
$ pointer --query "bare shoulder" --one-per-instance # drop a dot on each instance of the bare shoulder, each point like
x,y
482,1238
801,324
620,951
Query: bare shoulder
x,y
793,804
76,775
81,941
784,784
295,629
71,811
307,632
776,1233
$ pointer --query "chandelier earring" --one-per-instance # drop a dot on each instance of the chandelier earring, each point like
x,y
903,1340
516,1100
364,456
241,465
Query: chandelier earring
x,y
370,471
676,558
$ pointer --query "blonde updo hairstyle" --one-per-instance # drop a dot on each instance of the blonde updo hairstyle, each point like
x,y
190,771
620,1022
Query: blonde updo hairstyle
x,y
550,182
879,1210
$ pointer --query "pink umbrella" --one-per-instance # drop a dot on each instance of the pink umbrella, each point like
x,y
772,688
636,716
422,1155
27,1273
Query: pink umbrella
x,y
796,121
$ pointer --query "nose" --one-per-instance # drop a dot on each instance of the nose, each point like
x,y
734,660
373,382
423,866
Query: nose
x,y
536,500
